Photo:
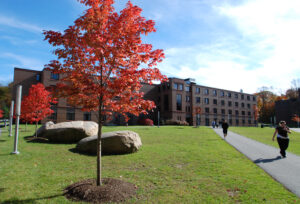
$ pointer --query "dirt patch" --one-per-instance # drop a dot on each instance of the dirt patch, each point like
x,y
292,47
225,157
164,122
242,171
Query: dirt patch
x,y
111,190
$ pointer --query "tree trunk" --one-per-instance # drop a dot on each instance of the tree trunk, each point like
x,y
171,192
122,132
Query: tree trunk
x,y
36,123
99,178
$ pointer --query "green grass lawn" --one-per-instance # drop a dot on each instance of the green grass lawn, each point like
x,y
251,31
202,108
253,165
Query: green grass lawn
x,y
265,135
174,165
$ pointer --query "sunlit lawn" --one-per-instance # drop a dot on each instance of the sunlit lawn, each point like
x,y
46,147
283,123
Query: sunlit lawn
x,y
265,135
174,165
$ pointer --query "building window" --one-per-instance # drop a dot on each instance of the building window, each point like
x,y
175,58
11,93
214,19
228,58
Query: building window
x,y
248,98
197,90
87,116
230,112
248,105
215,92
237,122
175,86
179,118
198,100
206,91
249,121
187,88
223,111
222,93
206,110
243,105
71,113
236,96
206,101
54,76
242,96
254,98
166,102
249,113
215,101
188,109
38,77
215,111
187,98
236,104
53,116
229,103
229,95
180,87
222,102
243,112
236,112
179,102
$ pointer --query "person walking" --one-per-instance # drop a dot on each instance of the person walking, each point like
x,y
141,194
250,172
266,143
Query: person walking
x,y
225,127
282,131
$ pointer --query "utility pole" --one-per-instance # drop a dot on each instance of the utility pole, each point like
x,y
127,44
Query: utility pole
x,y
158,116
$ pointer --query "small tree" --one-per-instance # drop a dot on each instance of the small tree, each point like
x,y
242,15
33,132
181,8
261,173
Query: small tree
x,y
37,105
104,62
296,118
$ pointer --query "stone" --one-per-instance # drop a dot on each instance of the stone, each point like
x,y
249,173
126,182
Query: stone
x,y
117,142
68,132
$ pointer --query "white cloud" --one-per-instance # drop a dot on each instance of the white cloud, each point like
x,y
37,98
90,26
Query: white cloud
x,y
263,52
24,62
12,22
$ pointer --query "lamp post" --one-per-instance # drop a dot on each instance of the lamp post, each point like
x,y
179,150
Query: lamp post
x,y
11,115
18,113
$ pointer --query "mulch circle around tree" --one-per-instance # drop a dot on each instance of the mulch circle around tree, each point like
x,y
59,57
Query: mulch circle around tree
x,y
111,190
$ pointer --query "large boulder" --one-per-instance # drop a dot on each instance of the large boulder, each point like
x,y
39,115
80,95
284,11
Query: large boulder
x,y
68,132
117,142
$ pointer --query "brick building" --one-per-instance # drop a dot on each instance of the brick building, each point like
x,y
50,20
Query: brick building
x,y
287,109
177,99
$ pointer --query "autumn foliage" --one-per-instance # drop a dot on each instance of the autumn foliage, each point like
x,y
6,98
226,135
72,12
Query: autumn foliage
x,y
37,105
1,113
296,118
104,61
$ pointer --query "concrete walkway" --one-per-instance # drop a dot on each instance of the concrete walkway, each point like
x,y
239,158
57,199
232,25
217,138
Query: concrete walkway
x,y
296,129
284,170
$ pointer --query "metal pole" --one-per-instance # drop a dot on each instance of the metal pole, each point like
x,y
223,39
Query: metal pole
x,y
11,115
18,113
157,118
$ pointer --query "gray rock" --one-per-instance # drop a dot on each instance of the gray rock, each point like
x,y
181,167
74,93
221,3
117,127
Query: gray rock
x,y
117,142
68,132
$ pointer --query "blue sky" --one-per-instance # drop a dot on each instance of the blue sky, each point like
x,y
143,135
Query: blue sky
x,y
223,44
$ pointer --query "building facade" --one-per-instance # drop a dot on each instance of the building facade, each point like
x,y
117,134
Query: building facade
x,y
200,105
287,109
177,99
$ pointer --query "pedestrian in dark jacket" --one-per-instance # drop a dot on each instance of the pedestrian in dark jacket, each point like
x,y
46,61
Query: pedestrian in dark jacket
x,y
282,131
225,127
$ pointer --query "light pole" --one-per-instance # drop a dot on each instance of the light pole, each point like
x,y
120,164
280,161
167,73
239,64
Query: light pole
x,y
11,115
18,113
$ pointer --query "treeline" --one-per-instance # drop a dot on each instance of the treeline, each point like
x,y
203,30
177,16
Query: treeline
x,y
5,99
266,98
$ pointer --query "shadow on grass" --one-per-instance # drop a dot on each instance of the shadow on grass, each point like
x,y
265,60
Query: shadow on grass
x,y
34,139
266,160
2,140
74,150
30,200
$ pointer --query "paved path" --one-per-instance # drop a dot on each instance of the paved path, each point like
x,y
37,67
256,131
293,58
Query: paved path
x,y
286,170
296,129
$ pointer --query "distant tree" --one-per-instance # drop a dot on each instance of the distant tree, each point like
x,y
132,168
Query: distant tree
x,y
1,113
266,104
104,62
37,105
293,92
296,118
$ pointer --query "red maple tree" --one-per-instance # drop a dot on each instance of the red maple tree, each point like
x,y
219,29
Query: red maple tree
x,y
37,105
1,113
296,118
104,62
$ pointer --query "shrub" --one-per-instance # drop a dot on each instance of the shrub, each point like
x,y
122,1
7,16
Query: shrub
x,y
176,122
145,121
